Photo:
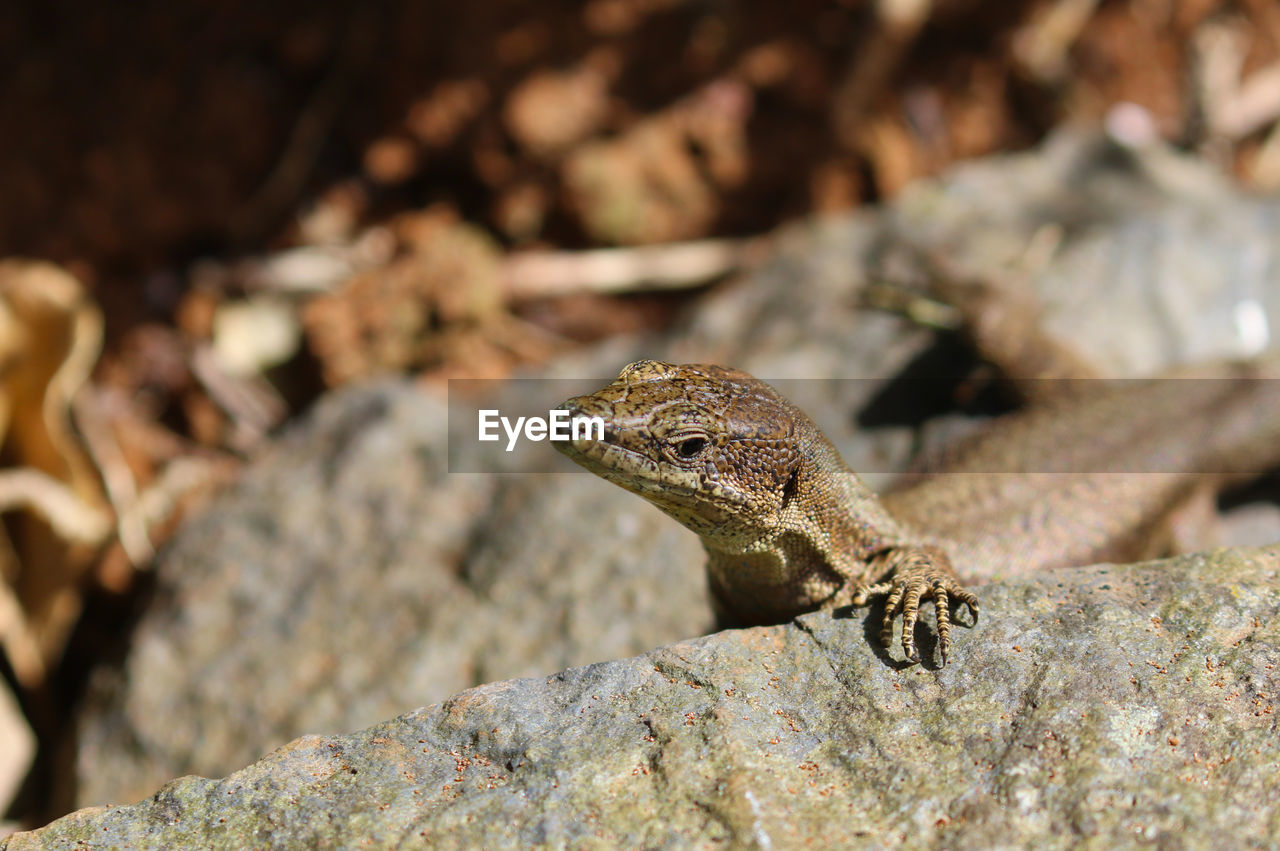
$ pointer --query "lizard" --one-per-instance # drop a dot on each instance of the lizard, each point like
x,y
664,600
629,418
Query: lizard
x,y
789,528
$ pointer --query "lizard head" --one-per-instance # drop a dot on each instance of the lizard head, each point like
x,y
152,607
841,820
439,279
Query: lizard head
x,y
712,447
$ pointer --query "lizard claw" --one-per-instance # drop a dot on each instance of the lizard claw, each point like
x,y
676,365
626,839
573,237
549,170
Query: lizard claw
x,y
918,574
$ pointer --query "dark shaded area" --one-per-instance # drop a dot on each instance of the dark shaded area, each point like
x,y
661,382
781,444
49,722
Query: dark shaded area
x,y
147,134
1263,489
946,378
101,639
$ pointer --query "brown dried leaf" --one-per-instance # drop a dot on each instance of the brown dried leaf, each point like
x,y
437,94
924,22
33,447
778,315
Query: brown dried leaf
x,y
409,313
550,111
50,336
662,180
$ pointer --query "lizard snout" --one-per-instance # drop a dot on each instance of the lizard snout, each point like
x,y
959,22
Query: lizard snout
x,y
582,408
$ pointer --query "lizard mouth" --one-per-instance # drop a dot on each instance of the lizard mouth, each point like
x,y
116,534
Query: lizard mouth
x,y
605,456
602,455
581,443
680,492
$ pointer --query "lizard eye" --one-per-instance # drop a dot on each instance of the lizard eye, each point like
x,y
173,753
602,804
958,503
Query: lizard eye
x,y
691,447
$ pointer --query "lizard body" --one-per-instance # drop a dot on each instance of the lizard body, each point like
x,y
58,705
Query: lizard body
x,y
1099,472
789,528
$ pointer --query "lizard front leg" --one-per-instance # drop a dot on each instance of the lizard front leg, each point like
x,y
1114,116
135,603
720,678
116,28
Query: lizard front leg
x,y
911,574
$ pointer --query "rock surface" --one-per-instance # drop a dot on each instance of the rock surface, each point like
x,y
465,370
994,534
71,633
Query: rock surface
x,y
1118,705
350,577
1141,258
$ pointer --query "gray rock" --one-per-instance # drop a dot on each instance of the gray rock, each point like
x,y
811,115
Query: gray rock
x,y
1109,705
1142,259
350,577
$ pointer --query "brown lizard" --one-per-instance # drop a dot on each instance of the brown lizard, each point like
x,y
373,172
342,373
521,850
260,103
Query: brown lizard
x,y
789,528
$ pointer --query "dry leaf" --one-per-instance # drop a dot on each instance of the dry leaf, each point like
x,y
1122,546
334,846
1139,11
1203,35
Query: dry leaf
x,y
17,747
50,337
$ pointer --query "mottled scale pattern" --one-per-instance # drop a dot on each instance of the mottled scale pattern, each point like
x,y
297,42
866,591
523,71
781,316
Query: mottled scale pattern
x,y
789,528
1096,474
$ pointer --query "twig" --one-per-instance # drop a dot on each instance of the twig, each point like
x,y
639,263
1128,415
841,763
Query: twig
x,y
1042,45
251,402
20,645
70,517
1231,107
117,478
160,500
543,274
873,61
1253,105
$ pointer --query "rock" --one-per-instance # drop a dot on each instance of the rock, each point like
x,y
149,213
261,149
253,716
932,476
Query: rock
x,y
350,577
1142,258
1107,704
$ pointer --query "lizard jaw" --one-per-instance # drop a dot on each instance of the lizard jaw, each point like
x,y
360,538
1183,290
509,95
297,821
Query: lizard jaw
x,y
679,493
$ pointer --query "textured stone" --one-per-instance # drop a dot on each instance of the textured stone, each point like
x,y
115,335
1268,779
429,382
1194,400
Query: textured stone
x,y
1109,704
349,577
1141,258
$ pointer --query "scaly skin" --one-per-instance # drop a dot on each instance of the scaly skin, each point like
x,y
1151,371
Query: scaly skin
x,y
789,528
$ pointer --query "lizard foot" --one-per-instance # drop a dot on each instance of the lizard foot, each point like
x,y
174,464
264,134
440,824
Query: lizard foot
x,y
916,575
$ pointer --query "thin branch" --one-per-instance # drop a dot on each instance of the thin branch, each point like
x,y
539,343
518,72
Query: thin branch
x,y
20,645
543,274
70,517
117,478
874,61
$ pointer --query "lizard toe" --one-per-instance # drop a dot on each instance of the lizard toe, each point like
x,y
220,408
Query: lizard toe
x,y
910,612
942,610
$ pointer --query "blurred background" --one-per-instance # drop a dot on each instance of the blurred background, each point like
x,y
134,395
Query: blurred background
x,y
215,212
